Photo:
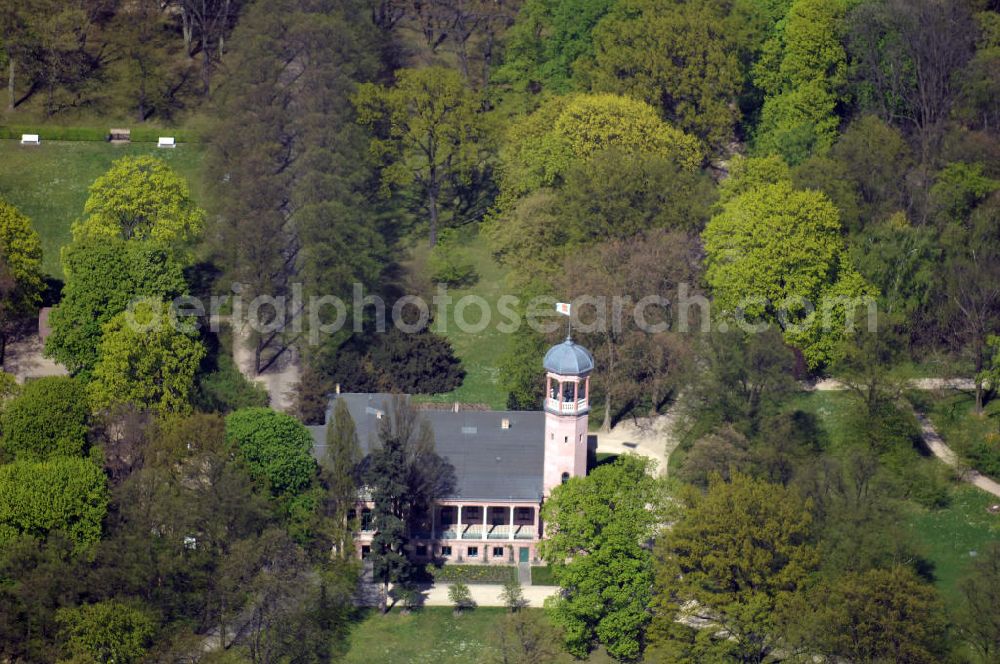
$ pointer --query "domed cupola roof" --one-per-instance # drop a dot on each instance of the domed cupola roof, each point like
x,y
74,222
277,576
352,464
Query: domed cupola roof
x,y
568,358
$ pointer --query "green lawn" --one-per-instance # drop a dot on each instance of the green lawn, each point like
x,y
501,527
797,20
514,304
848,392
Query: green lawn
x,y
480,352
432,635
49,182
949,535
832,410
542,576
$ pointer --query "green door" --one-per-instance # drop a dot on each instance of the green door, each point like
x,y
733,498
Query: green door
x,y
522,554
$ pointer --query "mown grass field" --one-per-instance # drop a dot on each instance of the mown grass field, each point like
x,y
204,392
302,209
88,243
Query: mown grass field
x,y
953,535
432,635
49,182
480,351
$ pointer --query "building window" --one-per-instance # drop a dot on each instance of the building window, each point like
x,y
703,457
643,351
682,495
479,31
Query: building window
x,y
366,519
366,551
422,550
446,551
498,552
473,552
565,478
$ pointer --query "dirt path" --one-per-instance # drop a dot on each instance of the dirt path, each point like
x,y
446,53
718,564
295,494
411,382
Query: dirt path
x,y
279,379
941,450
651,437
830,384
24,360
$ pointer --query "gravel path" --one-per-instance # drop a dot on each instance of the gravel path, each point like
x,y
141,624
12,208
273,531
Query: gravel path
x,y
483,594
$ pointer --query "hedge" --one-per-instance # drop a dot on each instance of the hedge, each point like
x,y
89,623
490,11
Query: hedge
x,y
463,573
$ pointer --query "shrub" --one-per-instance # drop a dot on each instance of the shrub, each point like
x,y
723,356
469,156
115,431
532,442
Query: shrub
x,y
226,389
513,597
460,595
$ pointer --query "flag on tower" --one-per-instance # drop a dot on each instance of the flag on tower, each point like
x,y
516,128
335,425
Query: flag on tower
x,y
563,308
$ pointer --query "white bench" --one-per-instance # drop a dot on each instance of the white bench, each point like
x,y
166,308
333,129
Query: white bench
x,y
166,142
30,139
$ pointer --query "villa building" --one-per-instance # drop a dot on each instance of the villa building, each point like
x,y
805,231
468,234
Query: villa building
x,y
506,464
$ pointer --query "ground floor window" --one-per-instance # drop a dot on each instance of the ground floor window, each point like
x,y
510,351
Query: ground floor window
x,y
366,551
446,551
498,552
421,550
473,552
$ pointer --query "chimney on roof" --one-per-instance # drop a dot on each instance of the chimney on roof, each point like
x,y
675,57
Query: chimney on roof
x,y
455,407
336,388
505,423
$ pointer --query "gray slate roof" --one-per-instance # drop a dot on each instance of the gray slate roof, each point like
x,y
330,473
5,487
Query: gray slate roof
x,y
569,358
491,463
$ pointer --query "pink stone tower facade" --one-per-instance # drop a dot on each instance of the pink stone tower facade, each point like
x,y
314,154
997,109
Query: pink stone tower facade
x,y
567,404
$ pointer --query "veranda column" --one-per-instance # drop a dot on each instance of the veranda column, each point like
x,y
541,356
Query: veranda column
x,y
434,530
459,527
510,532
482,536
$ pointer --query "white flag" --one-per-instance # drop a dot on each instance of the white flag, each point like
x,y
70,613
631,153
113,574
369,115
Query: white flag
x,y
563,308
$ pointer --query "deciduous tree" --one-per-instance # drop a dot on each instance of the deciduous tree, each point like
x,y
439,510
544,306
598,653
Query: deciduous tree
x,y
344,457
48,418
275,448
733,557
596,530
107,631
678,56
541,147
879,615
980,588
141,198
64,493
103,276
21,282
146,360
803,71
427,131
906,53
776,255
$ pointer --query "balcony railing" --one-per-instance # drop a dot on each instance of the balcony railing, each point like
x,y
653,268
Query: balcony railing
x,y
571,407
473,531
524,532
498,532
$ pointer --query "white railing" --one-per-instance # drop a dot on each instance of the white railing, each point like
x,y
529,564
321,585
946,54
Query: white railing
x,y
566,406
